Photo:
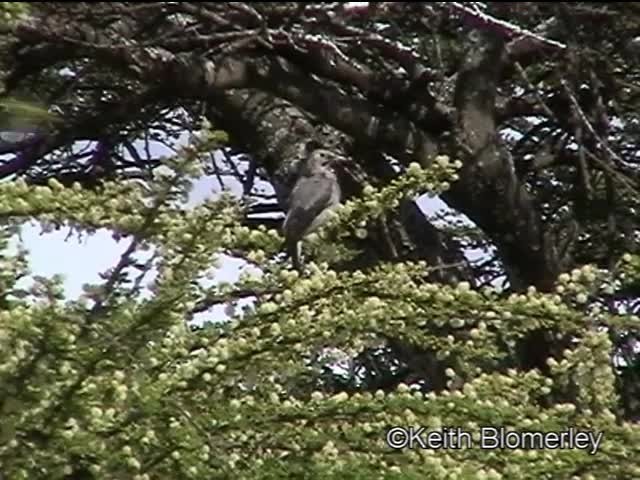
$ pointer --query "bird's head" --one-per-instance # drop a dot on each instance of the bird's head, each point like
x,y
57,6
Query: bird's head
x,y
322,160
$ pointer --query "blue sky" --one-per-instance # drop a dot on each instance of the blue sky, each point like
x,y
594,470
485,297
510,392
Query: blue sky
x,y
81,260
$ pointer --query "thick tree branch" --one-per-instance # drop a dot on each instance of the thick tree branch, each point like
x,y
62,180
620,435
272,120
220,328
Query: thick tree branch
x,y
489,191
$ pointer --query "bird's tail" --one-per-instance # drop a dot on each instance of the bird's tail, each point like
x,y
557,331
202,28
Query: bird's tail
x,y
294,251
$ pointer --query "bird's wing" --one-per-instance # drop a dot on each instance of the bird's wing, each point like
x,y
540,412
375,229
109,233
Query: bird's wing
x,y
310,196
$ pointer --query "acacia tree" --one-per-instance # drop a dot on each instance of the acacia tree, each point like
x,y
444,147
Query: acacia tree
x,y
519,116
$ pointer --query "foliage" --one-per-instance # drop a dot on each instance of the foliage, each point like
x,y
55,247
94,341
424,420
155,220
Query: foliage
x,y
119,386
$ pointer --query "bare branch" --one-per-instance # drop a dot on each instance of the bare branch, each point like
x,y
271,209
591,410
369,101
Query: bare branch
x,y
477,18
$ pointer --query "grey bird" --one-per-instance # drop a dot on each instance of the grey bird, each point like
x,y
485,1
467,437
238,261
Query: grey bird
x,y
314,195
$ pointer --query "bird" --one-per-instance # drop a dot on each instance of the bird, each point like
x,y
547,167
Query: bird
x,y
315,193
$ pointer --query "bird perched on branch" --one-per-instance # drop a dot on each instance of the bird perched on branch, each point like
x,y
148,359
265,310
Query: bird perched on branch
x,y
314,195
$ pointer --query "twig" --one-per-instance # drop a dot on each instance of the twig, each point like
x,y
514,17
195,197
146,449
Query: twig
x,y
507,29
586,123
